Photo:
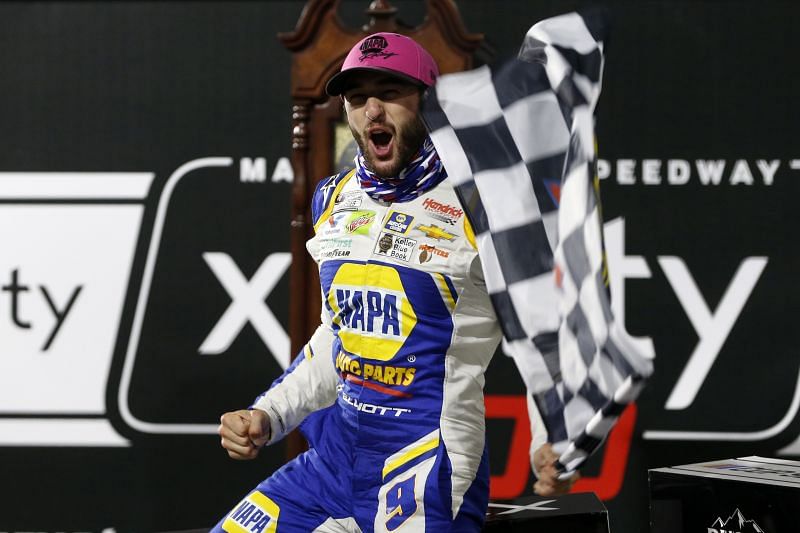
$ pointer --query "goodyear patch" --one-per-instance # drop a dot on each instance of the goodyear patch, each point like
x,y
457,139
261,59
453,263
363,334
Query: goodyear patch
x,y
399,222
257,513
395,246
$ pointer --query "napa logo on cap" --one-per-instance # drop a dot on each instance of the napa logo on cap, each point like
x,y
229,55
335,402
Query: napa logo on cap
x,y
375,46
371,310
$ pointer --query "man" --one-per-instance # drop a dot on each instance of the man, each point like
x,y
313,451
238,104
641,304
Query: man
x,y
394,375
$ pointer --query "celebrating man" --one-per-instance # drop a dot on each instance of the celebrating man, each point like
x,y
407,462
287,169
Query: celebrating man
x,y
394,375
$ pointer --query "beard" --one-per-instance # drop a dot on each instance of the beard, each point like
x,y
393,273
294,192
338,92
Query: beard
x,y
407,143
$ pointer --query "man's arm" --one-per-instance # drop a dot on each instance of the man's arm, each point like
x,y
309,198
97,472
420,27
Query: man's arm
x,y
543,458
308,385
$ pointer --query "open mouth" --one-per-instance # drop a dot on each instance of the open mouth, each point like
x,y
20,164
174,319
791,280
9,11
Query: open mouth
x,y
381,142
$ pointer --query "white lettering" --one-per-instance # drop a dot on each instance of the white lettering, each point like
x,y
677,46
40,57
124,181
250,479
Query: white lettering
x,y
768,170
626,171
603,169
253,170
741,173
620,268
710,172
283,171
712,328
678,171
651,172
247,305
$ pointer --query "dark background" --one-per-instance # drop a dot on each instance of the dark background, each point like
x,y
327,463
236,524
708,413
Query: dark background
x,y
148,86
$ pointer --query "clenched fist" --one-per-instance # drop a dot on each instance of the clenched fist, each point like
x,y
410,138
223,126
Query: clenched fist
x,y
244,432
548,484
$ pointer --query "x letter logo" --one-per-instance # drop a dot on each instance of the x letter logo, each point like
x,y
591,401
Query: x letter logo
x,y
248,305
537,506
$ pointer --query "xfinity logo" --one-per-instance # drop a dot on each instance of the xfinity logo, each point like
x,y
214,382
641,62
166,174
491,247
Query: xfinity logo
x,y
247,304
711,325
19,292
68,268
736,523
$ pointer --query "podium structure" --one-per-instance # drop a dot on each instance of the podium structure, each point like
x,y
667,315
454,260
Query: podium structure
x,y
581,512
744,495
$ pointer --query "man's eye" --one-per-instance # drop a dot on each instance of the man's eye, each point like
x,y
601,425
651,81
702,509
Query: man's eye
x,y
356,99
390,94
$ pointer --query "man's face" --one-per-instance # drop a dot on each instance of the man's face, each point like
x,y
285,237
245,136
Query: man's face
x,y
396,132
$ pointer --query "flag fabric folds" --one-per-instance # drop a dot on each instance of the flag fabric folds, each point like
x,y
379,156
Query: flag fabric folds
x,y
518,143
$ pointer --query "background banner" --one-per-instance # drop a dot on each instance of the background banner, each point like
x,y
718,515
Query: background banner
x,y
144,215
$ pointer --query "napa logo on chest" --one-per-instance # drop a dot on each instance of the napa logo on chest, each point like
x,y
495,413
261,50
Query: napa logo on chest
x,y
370,308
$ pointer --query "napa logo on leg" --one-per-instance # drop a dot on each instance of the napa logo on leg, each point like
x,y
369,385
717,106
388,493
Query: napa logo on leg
x,y
257,513
370,308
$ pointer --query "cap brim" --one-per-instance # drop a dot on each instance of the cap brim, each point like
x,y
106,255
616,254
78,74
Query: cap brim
x,y
340,81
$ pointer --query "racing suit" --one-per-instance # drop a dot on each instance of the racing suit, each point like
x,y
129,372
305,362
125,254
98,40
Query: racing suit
x,y
395,374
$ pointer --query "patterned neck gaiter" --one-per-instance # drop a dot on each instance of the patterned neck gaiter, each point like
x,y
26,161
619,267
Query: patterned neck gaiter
x,y
423,173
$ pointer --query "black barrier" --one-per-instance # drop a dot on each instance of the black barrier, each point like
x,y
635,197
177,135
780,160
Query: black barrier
x,y
745,495
570,513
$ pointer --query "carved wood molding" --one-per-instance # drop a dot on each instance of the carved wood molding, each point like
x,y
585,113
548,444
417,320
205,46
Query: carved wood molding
x,y
320,41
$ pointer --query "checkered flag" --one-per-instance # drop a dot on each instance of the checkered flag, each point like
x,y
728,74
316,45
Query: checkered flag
x,y
518,143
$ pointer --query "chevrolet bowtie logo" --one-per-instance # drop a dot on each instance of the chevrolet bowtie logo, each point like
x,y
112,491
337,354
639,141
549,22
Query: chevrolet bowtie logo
x,y
435,232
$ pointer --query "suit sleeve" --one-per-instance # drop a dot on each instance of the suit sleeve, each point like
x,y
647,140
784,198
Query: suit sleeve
x,y
309,384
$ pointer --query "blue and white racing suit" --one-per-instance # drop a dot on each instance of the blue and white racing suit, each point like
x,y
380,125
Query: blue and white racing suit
x,y
396,371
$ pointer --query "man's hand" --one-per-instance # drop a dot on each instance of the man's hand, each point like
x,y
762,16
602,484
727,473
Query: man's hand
x,y
548,484
244,432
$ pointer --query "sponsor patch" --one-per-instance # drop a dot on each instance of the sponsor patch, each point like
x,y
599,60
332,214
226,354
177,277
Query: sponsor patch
x,y
333,226
399,222
374,322
359,222
347,201
395,246
255,514
426,253
333,247
433,231
375,47
372,409
335,253
444,212
386,374
352,222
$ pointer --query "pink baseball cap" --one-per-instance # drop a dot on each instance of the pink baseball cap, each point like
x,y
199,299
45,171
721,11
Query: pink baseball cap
x,y
392,53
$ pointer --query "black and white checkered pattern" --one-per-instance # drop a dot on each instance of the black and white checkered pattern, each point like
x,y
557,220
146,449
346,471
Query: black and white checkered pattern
x,y
513,140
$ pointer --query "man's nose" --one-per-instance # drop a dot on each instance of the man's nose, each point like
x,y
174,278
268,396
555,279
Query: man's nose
x,y
374,109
